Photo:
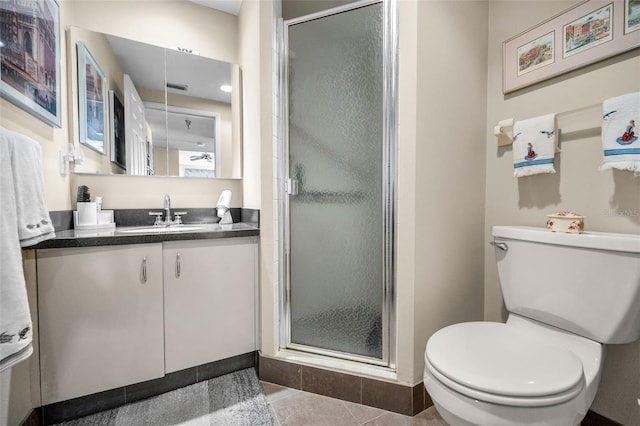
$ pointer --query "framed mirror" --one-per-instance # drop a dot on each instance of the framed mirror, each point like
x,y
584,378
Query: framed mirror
x,y
168,112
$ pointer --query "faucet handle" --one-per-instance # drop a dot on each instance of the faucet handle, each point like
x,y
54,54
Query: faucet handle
x,y
178,217
158,215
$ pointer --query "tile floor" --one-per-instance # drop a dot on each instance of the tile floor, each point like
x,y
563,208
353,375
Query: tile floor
x,y
292,407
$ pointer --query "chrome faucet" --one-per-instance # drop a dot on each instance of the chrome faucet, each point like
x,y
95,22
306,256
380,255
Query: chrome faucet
x,y
167,209
163,218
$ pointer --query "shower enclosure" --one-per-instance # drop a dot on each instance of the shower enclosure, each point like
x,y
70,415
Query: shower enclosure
x,y
338,161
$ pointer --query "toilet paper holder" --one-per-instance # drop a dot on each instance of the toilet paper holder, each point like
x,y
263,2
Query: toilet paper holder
x,y
504,132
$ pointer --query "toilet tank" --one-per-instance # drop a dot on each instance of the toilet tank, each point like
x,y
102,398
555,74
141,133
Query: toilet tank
x,y
587,284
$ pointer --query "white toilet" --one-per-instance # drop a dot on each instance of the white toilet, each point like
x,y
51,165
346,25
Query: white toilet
x,y
567,295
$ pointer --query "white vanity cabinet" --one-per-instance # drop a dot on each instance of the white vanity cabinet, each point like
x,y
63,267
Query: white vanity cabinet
x,y
209,300
101,318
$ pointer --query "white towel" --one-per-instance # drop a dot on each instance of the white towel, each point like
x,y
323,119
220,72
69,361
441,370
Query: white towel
x,y
534,145
24,221
620,132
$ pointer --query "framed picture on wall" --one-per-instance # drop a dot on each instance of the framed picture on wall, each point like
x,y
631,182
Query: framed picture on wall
x,y
116,121
588,32
631,16
536,54
30,61
92,95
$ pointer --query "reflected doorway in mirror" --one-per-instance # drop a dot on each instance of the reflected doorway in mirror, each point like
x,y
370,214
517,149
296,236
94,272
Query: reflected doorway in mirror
x,y
116,120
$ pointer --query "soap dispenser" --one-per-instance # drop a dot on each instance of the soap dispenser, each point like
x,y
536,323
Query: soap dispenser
x,y
223,206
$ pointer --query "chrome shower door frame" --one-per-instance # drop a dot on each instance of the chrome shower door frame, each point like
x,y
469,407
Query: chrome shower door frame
x,y
389,193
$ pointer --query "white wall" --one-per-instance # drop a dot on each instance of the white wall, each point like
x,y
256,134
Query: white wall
x,y
610,200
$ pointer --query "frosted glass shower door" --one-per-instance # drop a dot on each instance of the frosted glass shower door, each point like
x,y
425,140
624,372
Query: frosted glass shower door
x,y
336,224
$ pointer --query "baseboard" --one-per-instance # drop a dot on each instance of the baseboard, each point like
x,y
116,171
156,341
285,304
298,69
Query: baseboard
x,y
407,400
402,399
594,419
33,419
90,404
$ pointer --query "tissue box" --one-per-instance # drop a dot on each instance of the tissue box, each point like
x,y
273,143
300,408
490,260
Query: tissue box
x,y
104,221
105,217
572,223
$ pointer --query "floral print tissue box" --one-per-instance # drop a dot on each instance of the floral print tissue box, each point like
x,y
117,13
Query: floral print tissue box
x,y
572,223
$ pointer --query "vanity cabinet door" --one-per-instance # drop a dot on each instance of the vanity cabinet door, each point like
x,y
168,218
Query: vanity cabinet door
x,y
101,318
209,296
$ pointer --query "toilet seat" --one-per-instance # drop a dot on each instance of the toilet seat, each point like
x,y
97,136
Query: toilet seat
x,y
494,363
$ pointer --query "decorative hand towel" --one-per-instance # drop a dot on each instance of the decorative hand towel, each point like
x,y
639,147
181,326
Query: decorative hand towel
x,y
620,141
534,145
24,220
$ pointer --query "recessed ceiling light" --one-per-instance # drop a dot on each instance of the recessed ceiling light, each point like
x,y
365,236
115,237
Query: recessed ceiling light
x,y
225,88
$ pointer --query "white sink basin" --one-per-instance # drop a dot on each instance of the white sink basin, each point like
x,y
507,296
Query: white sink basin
x,y
159,229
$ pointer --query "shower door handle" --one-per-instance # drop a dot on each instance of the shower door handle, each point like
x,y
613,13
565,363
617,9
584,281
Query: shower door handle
x,y
292,186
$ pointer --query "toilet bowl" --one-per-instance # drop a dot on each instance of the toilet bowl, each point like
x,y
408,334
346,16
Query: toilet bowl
x,y
543,366
521,372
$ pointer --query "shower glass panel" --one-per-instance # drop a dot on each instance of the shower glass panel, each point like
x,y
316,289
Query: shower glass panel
x,y
336,189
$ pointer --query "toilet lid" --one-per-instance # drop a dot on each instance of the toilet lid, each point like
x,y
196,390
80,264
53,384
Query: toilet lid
x,y
491,357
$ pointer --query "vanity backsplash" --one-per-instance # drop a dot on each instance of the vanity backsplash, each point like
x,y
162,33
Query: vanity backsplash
x,y
63,219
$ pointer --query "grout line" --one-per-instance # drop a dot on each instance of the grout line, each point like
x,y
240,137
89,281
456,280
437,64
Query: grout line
x,y
274,415
377,417
300,370
349,411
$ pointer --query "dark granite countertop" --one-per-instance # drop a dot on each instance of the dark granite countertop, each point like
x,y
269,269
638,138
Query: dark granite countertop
x,y
144,235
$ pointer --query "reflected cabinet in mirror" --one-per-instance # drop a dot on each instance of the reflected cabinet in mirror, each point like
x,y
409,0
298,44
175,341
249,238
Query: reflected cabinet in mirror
x,y
152,111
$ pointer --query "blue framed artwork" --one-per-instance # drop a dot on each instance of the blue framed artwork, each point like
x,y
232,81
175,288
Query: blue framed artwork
x,y
30,60
92,95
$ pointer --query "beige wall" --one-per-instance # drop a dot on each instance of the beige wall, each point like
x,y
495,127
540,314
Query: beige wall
x,y
610,200
449,169
165,23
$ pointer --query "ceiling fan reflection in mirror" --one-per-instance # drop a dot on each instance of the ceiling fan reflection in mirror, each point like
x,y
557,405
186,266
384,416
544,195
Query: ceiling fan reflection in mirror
x,y
204,156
